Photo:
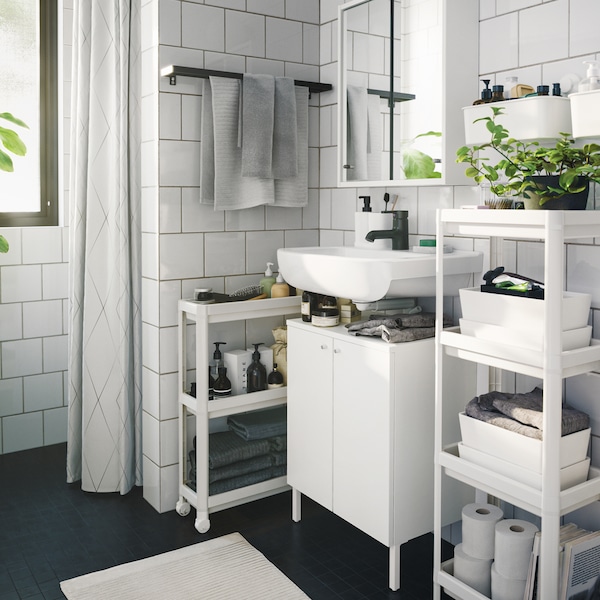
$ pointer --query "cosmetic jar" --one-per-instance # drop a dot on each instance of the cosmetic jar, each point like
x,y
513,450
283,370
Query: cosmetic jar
x,y
325,317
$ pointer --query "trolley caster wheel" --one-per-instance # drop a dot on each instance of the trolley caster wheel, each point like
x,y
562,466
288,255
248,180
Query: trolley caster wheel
x,y
183,508
202,525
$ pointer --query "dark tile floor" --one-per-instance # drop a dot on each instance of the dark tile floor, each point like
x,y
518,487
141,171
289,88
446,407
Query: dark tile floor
x,y
50,531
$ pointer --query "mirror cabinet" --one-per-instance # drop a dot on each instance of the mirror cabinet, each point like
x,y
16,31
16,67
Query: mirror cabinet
x,y
406,68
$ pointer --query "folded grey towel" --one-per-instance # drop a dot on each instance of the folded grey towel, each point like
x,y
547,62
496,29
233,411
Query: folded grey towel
x,y
407,334
225,485
225,447
258,110
285,130
259,425
278,443
241,467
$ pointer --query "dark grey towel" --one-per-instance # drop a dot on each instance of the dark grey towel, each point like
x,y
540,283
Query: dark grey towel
x,y
241,467
406,334
225,485
278,443
258,425
226,447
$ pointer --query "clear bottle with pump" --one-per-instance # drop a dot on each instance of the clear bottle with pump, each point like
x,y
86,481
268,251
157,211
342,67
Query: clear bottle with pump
x,y
592,77
222,386
256,373
266,283
275,378
280,288
486,93
217,360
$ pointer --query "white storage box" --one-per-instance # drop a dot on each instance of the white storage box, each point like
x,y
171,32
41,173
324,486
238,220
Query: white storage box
x,y
526,315
585,114
534,118
519,449
571,339
569,476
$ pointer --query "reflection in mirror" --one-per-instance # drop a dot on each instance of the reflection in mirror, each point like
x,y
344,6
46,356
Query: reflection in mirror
x,y
393,105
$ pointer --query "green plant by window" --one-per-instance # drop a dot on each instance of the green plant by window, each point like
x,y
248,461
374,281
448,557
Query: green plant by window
x,y
520,162
417,164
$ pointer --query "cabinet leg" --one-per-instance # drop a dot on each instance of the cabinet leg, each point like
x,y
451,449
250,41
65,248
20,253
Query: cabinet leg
x,y
394,568
296,505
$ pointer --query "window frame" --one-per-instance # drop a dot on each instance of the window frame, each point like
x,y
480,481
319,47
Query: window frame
x,y
49,141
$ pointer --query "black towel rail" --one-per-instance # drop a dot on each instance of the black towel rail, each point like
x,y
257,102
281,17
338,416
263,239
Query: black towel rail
x,y
172,71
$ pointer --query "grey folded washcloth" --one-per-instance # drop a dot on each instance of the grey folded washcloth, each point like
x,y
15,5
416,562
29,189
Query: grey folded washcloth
x,y
258,110
225,485
278,443
258,425
241,467
225,447
407,334
285,130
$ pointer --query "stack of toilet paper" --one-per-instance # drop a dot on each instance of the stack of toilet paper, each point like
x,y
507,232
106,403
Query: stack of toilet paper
x,y
494,555
474,556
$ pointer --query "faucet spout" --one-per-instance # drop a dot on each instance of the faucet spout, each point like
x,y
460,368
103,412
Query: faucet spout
x,y
398,233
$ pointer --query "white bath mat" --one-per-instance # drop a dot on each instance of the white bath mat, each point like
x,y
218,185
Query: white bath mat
x,y
224,568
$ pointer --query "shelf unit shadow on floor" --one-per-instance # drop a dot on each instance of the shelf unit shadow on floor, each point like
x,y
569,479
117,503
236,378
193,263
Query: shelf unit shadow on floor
x,y
552,366
204,410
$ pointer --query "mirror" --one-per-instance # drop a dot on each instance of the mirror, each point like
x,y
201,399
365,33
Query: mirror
x,y
406,69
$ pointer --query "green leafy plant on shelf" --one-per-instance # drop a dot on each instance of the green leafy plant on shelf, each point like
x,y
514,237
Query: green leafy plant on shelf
x,y
417,164
521,163
12,144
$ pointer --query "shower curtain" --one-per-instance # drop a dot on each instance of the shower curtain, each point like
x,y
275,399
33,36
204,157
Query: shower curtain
x,y
104,430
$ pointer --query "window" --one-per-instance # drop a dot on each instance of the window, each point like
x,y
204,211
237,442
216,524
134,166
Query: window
x,y
28,90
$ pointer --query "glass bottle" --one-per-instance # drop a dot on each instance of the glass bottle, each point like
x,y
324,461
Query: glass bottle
x,y
275,378
497,93
305,306
256,373
222,386
211,385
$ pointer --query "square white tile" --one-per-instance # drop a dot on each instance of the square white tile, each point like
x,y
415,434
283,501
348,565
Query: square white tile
x,y
151,393
500,32
11,321
584,16
170,210
284,40
261,247
179,163
181,255
202,27
170,22
42,318
170,116
151,437
191,108
275,8
41,392
543,36
11,392
198,217
55,281
306,10
224,253
169,435
283,218
55,353
170,294
244,34
22,432
42,245
55,426
21,357
168,349
168,396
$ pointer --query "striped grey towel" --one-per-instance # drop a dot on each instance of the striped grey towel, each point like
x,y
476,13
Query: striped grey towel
x,y
259,425
225,447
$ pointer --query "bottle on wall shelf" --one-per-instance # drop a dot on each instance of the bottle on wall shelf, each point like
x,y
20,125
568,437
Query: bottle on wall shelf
x,y
222,386
486,93
280,288
256,373
592,77
275,378
217,360
497,93
266,283
556,89
510,84
310,301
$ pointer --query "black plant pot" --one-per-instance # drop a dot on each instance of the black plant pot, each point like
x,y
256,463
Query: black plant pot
x,y
576,201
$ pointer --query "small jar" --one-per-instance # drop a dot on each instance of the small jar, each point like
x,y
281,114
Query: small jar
x,y
326,317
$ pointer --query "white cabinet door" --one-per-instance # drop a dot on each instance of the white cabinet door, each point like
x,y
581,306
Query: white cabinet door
x,y
362,438
310,414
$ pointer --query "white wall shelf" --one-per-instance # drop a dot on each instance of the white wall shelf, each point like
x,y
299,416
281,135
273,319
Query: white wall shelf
x,y
552,365
204,410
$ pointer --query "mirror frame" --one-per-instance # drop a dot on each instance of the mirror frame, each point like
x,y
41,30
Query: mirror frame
x,y
460,82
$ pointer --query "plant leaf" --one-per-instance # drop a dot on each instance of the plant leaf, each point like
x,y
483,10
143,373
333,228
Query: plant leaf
x,y
12,142
418,165
8,117
6,163
3,244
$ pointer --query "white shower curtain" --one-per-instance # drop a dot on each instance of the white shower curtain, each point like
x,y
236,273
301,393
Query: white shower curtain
x,y
104,436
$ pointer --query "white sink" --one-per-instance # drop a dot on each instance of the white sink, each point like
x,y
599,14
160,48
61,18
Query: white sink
x,y
365,275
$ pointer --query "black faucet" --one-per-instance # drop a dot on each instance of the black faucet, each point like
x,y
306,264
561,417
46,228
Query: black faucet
x,y
398,233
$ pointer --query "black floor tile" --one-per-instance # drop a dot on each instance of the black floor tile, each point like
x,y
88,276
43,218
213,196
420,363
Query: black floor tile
x,y
51,531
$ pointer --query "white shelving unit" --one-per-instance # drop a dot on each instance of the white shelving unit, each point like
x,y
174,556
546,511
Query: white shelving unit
x,y
203,315
552,366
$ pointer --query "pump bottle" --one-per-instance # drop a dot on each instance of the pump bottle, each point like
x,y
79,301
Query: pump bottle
x,y
592,77
486,93
256,373
280,288
217,360
266,283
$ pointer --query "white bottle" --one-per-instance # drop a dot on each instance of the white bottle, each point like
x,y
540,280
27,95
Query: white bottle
x,y
592,77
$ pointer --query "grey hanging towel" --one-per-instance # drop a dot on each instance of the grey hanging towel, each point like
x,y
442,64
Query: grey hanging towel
x,y
285,130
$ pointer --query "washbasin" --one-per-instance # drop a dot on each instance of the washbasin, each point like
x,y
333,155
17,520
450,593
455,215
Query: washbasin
x,y
366,275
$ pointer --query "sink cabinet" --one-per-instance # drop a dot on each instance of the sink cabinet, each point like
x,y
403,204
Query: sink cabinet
x,y
360,432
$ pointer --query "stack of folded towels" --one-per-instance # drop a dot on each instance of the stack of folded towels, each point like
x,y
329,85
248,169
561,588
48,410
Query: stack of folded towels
x,y
253,450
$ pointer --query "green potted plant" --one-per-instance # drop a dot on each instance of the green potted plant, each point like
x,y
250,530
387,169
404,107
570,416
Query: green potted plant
x,y
556,177
14,144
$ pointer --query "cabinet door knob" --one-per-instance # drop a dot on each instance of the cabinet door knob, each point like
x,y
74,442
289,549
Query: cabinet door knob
x,y
336,351
323,346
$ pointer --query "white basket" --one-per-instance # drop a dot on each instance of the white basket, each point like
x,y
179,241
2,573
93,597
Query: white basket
x,y
585,113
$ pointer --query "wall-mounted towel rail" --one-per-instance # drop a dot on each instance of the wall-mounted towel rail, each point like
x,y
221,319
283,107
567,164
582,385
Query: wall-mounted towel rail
x,y
398,96
172,71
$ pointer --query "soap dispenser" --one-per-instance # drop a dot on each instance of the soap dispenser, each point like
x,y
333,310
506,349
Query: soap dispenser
x,y
217,360
592,77
256,373
280,288
266,283
366,221
486,93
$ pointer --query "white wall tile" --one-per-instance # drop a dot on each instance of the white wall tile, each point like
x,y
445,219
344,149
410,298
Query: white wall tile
x,y
11,321
329,9
151,438
248,219
168,396
265,67
151,475
55,426
225,62
328,171
42,391
542,33
274,8
261,247
21,357
170,116
343,208
429,200
151,392
150,209
325,208
583,31
170,210
301,238
331,237
22,432
171,55
169,487
170,22
235,4
284,40
42,318
55,281
150,304
244,34
11,392
179,163
583,271
151,347
310,213
13,236
170,294
20,283
224,253
191,108
202,27
284,218
199,217
181,255
581,392
168,349
42,245
306,10
169,436
55,353
501,32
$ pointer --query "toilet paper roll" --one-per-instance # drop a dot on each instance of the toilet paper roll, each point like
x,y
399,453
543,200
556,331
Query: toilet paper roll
x,y
512,547
478,529
506,588
475,572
